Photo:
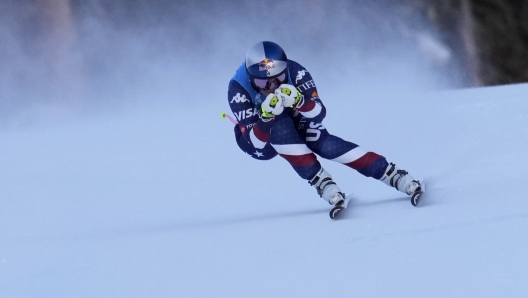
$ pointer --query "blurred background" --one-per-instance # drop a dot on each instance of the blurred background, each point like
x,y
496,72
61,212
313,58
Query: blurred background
x,y
67,58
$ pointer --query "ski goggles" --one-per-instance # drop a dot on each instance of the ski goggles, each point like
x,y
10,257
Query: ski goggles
x,y
270,83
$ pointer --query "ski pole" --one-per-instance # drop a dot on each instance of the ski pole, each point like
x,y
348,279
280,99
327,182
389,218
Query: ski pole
x,y
224,115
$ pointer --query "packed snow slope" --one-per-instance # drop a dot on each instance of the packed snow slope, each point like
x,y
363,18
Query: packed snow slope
x,y
154,203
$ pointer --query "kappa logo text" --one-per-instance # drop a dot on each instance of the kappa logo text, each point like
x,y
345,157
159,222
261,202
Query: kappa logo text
x,y
239,99
300,75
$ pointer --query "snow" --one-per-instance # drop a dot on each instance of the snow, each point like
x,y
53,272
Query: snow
x,y
153,203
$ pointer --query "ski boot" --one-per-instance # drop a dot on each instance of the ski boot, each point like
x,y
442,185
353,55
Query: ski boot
x,y
328,190
404,182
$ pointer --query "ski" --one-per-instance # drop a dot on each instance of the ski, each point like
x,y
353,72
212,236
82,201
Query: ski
x,y
334,213
417,195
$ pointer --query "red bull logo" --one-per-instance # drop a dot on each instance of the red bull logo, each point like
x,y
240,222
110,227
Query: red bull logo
x,y
266,64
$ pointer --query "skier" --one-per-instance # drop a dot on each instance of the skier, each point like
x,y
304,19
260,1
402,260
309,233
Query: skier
x,y
279,112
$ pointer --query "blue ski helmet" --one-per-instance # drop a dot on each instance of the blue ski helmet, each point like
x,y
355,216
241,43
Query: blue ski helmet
x,y
267,66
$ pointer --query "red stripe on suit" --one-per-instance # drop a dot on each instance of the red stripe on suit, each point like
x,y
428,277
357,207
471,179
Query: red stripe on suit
x,y
364,160
307,106
301,160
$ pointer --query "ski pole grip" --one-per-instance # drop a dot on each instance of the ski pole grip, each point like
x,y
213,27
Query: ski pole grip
x,y
224,115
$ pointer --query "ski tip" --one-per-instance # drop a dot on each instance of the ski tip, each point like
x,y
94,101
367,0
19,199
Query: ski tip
x,y
415,199
335,211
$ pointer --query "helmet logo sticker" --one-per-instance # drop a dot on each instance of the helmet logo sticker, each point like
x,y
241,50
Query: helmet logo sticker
x,y
266,64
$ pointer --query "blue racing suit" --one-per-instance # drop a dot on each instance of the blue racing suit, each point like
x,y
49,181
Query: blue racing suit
x,y
297,134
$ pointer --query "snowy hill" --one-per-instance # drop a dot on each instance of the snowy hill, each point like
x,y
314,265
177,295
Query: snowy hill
x,y
146,204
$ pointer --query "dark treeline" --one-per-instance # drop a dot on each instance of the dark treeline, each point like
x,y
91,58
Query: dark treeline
x,y
490,35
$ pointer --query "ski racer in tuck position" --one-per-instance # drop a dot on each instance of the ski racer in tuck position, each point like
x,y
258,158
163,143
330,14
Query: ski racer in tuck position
x,y
279,112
